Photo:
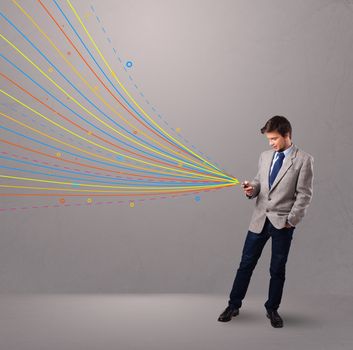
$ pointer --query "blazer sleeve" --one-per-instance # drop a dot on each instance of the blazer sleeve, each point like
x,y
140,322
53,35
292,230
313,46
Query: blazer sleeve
x,y
256,181
304,192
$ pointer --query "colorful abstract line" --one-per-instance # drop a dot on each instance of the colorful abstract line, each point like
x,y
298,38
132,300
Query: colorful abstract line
x,y
70,128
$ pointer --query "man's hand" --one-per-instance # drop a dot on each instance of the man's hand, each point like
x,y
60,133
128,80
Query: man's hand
x,y
247,188
287,225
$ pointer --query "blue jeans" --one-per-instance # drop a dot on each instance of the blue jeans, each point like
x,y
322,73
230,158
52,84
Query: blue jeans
x,y
253,246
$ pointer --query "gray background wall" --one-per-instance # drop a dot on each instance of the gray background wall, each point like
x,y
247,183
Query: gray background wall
x,y
218,70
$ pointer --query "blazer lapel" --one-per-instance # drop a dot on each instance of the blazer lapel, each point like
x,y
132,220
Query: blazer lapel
x,y
267,167
288,162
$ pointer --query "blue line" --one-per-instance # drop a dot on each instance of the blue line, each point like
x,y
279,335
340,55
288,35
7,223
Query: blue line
x,y
71,110
158,184
112,84
39,51
141,116
104,132
156,111
87,158
118,181
186,164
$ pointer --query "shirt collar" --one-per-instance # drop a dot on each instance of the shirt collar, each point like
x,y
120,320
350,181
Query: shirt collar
x,y
286,152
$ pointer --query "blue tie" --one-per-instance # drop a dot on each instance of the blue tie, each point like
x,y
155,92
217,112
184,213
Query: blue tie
x,y
276,167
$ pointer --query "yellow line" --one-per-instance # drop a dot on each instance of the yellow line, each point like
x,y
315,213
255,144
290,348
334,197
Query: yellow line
x,y
90,153
105,103
146,188
127,93
158,166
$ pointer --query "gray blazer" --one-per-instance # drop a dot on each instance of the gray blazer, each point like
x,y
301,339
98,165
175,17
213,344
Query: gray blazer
x,y
290,194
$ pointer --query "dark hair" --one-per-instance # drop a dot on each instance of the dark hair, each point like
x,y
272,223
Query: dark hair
x,y
279,124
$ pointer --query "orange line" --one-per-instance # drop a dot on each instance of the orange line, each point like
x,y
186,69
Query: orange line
x,y
98,168
100,195
95,74
93,134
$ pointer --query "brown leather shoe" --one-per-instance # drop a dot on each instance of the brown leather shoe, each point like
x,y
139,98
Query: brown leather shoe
x,y
275,318
227,314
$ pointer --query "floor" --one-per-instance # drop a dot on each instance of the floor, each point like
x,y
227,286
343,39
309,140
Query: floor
x,y
170,321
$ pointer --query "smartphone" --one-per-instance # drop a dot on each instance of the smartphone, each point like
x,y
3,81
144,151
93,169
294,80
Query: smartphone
x,y
245,185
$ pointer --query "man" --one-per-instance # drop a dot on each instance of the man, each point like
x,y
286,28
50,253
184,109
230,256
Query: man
x,y
283,188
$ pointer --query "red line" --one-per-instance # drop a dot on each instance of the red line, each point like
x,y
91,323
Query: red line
x,y
95,74
101,195
86,130
95,167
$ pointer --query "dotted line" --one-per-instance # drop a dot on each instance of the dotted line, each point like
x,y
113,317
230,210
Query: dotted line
x,y
85,171
140,92
99,203
65,136
75,141
54,131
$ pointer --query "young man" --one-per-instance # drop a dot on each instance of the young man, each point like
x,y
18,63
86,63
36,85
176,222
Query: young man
x,y
283,188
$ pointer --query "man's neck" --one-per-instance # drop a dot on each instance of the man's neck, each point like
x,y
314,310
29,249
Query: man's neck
x,y
284,149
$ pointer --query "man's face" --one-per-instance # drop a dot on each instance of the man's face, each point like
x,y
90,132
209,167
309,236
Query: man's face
x,y
278,142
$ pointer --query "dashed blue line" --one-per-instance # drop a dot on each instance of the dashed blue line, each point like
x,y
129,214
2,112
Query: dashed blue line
x,y
118,56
